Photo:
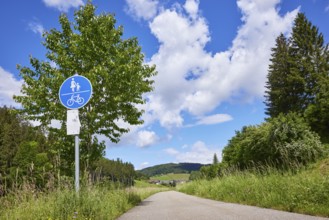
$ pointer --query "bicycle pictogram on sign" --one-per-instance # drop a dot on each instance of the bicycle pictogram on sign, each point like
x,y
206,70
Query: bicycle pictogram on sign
x,y
75,92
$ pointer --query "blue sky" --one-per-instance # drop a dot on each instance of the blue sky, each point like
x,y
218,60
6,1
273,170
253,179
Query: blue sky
x,y
211,57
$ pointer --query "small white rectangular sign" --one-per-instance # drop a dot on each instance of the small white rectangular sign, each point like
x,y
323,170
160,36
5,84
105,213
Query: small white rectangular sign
x,y
73,123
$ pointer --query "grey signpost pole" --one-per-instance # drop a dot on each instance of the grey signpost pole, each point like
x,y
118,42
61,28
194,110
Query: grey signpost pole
x,y
74,93
77,163
73,128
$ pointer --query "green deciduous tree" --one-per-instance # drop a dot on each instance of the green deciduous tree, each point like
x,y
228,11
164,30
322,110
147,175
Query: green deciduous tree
x,y
195,175
91,46
292,140
282,141
248,147
25,158
210,171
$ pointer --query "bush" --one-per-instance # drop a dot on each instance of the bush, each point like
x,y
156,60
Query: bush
x,y
284,141
293,141
211,171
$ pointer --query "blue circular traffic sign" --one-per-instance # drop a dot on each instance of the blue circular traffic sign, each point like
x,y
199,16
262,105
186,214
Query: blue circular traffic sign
x,y
75,92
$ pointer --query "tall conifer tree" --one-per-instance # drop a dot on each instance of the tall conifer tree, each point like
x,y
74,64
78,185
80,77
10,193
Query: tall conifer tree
x,y
305,52
278,95
298,67
309,57
298,78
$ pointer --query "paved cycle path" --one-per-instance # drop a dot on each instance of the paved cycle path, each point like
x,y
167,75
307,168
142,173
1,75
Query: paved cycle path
x,y
174,205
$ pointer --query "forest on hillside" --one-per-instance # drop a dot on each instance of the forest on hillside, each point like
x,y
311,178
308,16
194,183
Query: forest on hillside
x,y
30,156
171,168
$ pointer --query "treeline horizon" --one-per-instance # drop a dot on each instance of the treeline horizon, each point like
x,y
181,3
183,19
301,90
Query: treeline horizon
x,y
30,156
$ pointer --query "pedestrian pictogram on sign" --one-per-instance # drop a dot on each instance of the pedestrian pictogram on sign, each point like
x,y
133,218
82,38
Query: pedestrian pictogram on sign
x,y
75,92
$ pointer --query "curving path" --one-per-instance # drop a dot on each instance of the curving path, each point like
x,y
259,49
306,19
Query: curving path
x,y
178,206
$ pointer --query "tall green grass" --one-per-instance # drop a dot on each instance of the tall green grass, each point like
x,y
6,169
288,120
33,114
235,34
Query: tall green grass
x,y
93,202
305,191
96,203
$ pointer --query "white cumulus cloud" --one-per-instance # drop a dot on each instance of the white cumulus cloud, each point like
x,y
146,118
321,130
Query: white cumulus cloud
x,y
143,165
192,7
9,87
36,27
63,5
214,119
197,153
192,80
142,9
171,151
146,138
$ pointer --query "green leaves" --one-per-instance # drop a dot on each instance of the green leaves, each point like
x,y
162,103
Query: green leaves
x,y
293,140
94,49
282,141
91,46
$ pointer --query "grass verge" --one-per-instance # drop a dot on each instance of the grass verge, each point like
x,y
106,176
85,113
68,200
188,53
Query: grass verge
x,y
144,189
304,192
172,176
90,203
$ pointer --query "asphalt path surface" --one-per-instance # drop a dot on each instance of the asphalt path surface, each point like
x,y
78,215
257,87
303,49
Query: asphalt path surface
x,y
175,205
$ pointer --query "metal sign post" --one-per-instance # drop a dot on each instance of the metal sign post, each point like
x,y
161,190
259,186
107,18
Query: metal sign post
x,y
77,164
73,128
74,93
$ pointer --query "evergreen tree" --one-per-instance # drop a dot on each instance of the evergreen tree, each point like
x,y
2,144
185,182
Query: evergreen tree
x,y
215,159
16,156
9,140
317,114
306,53
13,131
279,96
298,78
115,171
310,56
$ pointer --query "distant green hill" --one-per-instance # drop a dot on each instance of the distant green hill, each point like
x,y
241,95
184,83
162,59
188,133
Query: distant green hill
x,y
171,168
171,176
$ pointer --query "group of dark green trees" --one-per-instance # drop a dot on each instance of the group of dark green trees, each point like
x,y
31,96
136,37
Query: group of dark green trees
x,y
92,46
29,157
298,78
296,131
